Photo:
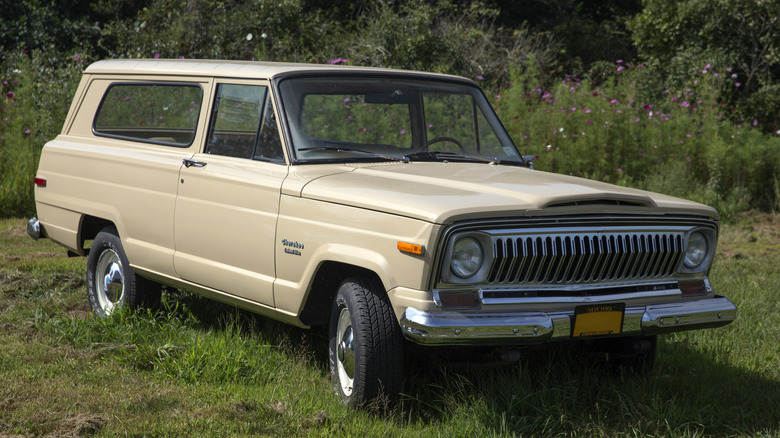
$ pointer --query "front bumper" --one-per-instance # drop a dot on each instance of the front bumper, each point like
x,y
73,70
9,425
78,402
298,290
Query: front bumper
x,y
519,328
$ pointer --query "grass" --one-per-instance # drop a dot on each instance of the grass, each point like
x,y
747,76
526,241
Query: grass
x,y
194,368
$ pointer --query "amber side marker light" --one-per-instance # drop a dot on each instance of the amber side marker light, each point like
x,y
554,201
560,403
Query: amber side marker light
x,y
40,182
410,248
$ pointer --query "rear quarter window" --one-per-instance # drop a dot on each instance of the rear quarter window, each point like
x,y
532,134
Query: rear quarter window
x,y
150,112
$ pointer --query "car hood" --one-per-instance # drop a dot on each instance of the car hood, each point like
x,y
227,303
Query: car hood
x,y
447,192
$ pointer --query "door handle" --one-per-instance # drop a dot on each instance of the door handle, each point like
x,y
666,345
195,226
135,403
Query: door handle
x,y
189,163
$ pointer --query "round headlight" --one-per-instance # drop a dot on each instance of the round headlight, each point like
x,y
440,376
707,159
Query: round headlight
x,y
466,257
697,249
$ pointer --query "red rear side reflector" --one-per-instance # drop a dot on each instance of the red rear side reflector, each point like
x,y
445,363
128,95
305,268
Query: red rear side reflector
x,y
40,182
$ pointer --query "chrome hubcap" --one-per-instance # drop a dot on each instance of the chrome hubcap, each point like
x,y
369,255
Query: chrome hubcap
x,y
110,282
345,352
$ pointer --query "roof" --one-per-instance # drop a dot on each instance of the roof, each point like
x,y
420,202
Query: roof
x,y
234,69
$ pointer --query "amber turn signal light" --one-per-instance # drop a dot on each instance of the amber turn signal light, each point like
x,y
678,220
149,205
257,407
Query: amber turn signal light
x,y
410,248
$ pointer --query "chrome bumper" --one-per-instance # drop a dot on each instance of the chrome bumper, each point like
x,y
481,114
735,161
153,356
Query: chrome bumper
x,y
519,328
34,228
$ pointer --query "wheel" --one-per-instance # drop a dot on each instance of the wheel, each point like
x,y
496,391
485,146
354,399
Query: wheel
x,y
365,345
428,143
111,282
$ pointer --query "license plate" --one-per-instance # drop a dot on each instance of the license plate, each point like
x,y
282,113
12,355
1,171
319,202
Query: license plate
x,y
598,320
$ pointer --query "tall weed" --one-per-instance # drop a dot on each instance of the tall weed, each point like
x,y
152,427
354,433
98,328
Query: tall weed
x,y
615,127
36,95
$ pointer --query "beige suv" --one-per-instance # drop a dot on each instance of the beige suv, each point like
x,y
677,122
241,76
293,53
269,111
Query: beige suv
x,y
390,205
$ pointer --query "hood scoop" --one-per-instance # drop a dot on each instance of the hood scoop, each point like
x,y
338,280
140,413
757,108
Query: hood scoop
x,y
640,202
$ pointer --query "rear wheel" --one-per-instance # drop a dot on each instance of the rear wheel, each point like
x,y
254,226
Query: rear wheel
x,y
365,344
111,282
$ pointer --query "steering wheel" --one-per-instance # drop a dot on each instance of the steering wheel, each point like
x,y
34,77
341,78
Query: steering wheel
x,y
428,143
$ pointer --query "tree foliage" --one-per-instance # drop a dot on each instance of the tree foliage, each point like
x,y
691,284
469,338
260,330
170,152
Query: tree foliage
x,y
679,38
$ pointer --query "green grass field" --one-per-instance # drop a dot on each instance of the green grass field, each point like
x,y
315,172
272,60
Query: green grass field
x,y
196,368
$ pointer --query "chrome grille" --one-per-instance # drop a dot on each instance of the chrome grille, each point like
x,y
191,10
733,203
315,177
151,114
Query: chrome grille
x,y
585,257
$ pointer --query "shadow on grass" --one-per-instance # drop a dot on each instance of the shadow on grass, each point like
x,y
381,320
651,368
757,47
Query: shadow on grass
x,y
550,391
553,391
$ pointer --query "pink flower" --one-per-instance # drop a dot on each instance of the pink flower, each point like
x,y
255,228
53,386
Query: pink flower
x,y
156,56
480,77
27,131
589,122
755,122
402,132
620,68
337,61
737,84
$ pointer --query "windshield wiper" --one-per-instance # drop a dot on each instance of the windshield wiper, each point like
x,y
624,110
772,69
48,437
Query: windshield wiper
x,y
449,156
356,151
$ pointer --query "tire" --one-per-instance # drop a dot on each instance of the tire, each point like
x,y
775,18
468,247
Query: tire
x,y
366,346
111,282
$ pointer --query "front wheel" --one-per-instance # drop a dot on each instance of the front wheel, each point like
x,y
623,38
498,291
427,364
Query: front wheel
x,y
365,344
111,282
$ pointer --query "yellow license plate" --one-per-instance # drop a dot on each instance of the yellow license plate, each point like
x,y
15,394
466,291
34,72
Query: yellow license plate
x,y
598,320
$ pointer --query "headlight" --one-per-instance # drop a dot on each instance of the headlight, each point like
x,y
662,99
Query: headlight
x,y
467,257
697,251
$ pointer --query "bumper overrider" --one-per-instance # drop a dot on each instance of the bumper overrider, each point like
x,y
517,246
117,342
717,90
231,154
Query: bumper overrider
x,y
528,328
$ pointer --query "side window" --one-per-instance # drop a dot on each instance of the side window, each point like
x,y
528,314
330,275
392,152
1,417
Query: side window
x,y
243,124
153,113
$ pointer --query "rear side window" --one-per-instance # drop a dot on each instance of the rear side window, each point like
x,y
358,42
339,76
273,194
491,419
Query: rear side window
x,y
153,113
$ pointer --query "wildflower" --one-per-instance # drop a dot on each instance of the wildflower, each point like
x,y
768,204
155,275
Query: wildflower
x,y
346,99
10,95
362,130
573,109
249,36
587,111
755,122
549,146
734,76
402,132
156,56
728,69
618,170
479,77
647,107
715,74
560,129
619,111
737,84
572,90
27,131
619,61
636,120
337,61
589,122
620,68
613,101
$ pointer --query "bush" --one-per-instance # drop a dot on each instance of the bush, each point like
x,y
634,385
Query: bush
x,y
677,141
36,95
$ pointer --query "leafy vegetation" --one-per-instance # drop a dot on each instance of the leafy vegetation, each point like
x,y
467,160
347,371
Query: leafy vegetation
x,y
196,368
691,114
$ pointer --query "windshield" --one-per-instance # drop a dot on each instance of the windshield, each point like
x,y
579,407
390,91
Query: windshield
x,y
375,118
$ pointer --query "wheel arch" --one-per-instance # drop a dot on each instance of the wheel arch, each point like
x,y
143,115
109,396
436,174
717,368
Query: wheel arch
x,y
329,276
89,227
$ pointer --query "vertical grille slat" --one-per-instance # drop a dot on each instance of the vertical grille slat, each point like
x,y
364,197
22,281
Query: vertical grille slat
x,y
570,258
